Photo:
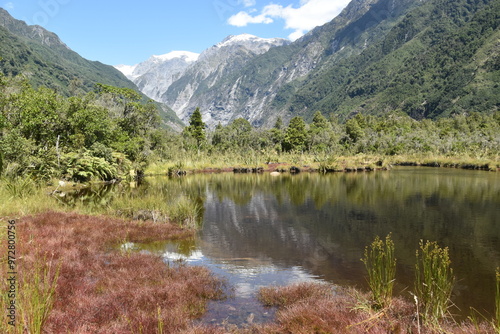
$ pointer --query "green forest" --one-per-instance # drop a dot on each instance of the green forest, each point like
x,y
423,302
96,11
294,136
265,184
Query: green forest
x,y
110,134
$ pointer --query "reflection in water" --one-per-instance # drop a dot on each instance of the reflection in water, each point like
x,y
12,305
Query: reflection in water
x,y
259,230
322,223
244,277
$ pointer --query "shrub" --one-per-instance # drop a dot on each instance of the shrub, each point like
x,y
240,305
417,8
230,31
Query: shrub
x,y
84,167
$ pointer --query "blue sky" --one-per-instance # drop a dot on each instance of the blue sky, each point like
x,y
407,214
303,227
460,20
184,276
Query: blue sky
x,y
128,32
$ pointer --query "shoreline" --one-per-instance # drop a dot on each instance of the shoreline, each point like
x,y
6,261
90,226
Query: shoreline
x,y
342,167
139,291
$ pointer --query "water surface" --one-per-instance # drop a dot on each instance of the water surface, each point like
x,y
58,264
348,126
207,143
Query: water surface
x,y
259,230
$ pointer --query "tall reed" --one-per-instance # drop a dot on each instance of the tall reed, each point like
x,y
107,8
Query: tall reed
x,y
434,281
380,263
36,298
496,323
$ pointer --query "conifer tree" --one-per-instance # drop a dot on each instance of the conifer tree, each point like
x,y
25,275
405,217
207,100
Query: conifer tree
x,y
295,135
196,128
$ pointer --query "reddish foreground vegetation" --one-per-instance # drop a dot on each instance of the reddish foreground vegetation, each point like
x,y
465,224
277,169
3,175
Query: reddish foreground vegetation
x,y
316,308
103,290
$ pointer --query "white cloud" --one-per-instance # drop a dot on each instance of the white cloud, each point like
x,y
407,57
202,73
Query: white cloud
x,y
242,19
247,3
9,6
310,14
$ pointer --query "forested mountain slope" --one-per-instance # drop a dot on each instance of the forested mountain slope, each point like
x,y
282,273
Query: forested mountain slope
x,y
40,54
42,57
441,58
427,58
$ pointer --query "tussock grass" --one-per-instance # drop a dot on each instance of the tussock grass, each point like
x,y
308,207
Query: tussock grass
x,y
434,281
380,262
496,320
22,196
36,294
101,290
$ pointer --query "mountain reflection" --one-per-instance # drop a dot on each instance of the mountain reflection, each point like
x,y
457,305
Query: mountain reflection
x,y
323,222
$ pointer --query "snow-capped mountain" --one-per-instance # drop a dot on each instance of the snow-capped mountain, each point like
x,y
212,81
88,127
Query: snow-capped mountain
x,y
155,75
176,77
214,65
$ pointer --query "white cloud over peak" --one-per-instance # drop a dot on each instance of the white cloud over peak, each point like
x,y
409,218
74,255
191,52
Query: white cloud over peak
x,y
242,19
9,6
310,14
247,3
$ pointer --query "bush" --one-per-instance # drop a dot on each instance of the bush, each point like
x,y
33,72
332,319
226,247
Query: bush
x,y
85,167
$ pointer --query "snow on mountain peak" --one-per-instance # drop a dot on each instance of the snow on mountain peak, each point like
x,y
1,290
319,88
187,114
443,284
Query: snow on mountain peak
x,y
186,55
244,38
127,70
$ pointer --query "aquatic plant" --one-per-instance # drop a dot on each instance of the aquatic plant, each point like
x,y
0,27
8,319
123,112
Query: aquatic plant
x,y
496,320
380,262
185,212
434,281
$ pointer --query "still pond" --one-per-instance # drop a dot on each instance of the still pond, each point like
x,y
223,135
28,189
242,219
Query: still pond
x,y
260,230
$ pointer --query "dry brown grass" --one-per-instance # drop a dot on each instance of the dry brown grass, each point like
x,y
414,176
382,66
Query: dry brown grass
x,y
101,290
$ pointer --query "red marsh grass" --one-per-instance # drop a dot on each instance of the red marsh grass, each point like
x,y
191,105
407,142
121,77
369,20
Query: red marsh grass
x,y
317,308
102,290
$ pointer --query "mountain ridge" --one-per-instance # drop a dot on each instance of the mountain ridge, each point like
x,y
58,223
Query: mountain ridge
x,y
45,60
198,75
376,56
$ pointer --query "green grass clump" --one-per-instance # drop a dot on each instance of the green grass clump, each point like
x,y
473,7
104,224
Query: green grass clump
x,y
380,263
434,281
497,302
36,298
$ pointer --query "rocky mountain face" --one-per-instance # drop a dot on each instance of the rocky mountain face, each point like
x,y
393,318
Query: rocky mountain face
x,y
427,58
181,79
250,77
155,75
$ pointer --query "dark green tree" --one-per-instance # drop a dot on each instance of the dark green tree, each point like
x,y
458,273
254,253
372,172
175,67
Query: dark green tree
x,y
321,136
241,131
354,130
295,135
196,128
277,134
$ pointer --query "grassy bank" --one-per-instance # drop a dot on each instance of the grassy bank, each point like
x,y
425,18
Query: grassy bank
x,y
96,287
23,196
204,162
